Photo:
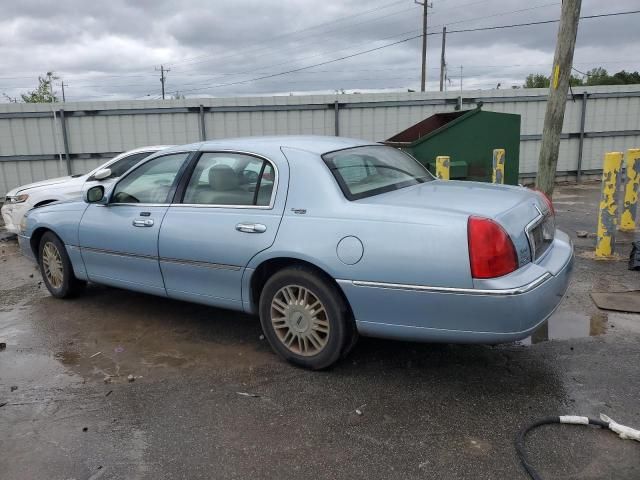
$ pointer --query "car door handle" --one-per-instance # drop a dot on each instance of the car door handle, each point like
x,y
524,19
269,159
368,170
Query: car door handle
x,y
139,222
251,227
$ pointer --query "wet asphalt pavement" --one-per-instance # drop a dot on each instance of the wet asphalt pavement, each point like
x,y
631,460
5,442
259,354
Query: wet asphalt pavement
x,y
210,399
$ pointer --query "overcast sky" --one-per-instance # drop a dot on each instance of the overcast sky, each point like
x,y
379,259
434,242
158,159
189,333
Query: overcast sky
x,y
110,50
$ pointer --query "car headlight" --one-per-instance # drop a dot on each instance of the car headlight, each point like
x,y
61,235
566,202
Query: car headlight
x,y
23,224
18,198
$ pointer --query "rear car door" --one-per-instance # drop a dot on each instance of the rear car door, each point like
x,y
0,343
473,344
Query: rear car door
x,y
119,240
224,216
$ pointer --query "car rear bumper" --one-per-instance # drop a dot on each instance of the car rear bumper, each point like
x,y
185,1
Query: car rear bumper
x,y
504,310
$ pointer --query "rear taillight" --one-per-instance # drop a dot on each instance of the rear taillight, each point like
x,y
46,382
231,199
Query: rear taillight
x,y
547,199
491,251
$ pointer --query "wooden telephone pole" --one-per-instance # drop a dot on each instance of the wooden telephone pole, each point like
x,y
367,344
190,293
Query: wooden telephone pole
x,y
163,77
443,63
554,116
426,6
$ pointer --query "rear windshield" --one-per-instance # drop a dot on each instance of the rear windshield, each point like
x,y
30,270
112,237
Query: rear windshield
x,y
366,171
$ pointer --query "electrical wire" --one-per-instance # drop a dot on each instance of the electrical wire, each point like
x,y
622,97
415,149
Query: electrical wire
x,y
508,12
605,423
360,53
404,40
263,77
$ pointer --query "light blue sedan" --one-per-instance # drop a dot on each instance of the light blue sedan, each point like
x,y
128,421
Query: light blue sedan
x,y
324,238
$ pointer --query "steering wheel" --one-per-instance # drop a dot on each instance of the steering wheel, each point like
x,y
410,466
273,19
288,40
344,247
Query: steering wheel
x,y
124,197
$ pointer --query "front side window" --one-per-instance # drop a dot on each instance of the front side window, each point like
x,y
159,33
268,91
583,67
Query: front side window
x,y
151,182
230,179
365,171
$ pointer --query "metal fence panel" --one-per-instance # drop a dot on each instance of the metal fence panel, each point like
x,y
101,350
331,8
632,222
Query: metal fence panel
x,y
32,142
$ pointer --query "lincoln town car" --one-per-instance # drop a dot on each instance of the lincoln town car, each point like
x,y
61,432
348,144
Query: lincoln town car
x,y
323,238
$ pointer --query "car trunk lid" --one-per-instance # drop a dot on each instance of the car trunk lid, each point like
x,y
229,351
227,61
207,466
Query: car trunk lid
x,y
520,211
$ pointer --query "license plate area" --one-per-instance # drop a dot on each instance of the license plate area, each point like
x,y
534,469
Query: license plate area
x,y
541,236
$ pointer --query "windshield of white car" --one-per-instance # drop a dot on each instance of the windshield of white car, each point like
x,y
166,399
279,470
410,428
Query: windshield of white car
x,y
371,170
120,167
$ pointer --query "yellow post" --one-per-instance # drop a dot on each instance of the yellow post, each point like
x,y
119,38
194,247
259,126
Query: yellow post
x,y
442,167
631,190
498,165
608,212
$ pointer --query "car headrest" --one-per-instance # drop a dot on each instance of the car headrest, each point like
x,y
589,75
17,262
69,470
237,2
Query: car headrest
x,y
222,177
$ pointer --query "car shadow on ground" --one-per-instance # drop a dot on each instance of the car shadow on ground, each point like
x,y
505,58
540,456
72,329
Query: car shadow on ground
x,y
143,333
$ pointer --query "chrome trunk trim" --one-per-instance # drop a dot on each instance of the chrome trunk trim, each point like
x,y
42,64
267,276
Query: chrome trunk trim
x,y
458,291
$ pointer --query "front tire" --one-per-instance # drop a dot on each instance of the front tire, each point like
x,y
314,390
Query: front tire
x,y
304,318
56,269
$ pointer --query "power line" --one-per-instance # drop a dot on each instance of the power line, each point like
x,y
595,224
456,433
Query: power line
x,y
309,67
497,27
508,12
232,54
239,82
295,32
254,70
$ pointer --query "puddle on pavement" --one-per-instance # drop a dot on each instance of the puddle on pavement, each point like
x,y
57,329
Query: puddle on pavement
x,y
565,325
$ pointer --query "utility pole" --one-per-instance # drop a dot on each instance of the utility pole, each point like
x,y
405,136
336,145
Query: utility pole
x,y
560,74
50,79
426,6
63,97
163,77
442,61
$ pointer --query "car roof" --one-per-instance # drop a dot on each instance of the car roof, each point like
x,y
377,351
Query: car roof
x,y
266,145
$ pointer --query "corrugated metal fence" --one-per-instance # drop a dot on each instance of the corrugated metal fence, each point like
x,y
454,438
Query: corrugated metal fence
x,y
39,141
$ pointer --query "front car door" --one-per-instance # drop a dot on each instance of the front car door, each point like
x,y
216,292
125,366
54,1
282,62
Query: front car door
x,y
119,240
225,214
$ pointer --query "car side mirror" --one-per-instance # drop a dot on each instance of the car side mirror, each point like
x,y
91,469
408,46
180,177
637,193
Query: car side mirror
x,y
102,174
94,194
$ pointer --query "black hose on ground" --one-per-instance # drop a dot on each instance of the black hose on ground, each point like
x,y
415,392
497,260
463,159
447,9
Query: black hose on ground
x,y
520,446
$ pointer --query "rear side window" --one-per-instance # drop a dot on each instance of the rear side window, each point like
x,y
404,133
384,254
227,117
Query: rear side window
x,y
232,179
371,170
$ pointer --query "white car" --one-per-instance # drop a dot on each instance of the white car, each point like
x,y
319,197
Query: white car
x,y
21,199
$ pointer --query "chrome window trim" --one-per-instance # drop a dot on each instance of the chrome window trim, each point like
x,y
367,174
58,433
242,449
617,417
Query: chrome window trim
x,y
454,290
272,200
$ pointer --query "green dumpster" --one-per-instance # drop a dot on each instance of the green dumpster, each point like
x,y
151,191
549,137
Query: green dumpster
x,y
468,137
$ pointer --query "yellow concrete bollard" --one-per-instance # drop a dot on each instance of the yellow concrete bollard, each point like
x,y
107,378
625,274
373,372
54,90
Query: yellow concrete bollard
x,y
608,211
631,191
498,165
443,164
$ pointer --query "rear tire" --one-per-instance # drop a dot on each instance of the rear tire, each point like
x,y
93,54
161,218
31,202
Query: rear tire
x,y
56,268
305,318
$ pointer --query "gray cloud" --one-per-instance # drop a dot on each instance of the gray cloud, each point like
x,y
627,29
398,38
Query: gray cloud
x,y
109,49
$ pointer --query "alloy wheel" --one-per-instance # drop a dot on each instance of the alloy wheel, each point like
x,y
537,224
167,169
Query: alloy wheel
x,y
52,264
300,320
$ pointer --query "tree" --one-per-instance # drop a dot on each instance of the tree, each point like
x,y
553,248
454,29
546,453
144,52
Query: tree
x,y
44,92
536,80
627,78
598,76
595,76
10,99
178,96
